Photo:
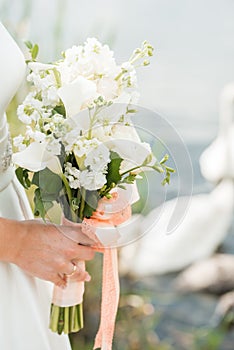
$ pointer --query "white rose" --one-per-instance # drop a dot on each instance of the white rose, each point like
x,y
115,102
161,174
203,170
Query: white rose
x,y
128,132
75,95
108,88
133,153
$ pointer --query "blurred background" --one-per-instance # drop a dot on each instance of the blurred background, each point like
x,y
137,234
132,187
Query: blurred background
x,y
176,290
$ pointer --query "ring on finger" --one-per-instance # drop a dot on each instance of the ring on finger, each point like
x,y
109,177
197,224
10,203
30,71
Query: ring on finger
x,y
73,272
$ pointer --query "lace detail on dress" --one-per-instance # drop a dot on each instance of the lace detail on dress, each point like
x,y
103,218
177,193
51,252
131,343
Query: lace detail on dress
x,y
5,160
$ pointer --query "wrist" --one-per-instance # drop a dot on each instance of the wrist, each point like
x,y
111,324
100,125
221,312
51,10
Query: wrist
x,y
11,233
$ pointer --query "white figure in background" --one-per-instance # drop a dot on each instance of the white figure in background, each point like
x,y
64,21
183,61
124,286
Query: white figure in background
x,y
217,161
207,220
27,247
203,228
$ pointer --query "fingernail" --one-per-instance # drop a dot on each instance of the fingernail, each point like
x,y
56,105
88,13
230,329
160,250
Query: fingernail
x,y
87,278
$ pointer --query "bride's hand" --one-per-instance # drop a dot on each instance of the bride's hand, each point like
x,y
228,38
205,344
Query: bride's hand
x,y
44,251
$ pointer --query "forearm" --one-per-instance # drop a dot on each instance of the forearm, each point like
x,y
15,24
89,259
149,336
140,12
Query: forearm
x,y
10,230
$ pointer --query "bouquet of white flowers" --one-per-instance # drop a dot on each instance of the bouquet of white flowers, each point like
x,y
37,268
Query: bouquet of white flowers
x,y
80,142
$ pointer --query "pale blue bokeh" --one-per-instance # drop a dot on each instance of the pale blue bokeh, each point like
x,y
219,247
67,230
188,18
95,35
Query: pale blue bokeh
x,y
194,56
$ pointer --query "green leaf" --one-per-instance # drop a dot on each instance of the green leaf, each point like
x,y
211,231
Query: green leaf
x,y
41,207
60,110
22,176
113,172
75,203
48,182
28,44
34,51
91,203
122,186
49,186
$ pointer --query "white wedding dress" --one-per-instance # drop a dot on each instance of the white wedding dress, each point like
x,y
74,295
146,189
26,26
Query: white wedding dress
x,y
24,300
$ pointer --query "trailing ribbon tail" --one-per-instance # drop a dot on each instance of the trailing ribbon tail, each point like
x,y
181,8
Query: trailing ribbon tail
x,y
110,300
119,212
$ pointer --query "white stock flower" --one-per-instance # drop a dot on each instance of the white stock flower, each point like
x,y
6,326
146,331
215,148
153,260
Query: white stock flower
x,y
18,142
54,146
129,78
72,174
30,109
101,57
98,158
50,96
70,139
80,145
92,180
44,81
37,67
34,135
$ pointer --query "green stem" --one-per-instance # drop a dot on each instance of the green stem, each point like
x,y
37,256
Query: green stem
x,y
66,320
57,77
93,120
69,195
82,203
128,171
68,190
61,320
54,317
90,126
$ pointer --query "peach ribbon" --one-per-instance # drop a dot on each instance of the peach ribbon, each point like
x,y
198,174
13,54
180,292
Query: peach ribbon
x,y
118,211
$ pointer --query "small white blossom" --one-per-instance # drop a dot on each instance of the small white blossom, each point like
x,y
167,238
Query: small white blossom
x,y
56,126
80,145
45,84
70,139
18,142
92,180
34,135
54,146
72,174
98,158
30,109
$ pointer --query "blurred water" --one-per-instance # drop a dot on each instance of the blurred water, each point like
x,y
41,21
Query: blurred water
x,y
194,56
